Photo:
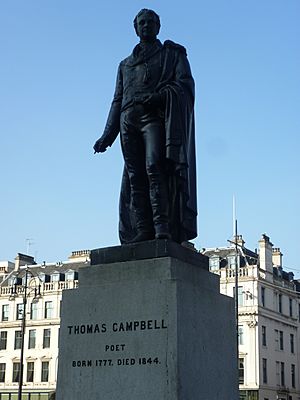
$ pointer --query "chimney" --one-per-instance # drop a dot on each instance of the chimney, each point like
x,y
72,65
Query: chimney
x,y
239,240
80,256
23,259
265,253
277,257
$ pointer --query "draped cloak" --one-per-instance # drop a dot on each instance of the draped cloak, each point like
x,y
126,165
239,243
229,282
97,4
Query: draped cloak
x,y
177,85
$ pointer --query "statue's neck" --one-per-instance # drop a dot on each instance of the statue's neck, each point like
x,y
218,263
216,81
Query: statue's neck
x,y
147,42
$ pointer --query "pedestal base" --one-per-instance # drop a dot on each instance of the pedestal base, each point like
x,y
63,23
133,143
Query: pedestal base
x,y
153,329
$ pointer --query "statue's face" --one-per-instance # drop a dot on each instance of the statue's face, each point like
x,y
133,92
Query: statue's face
x,y
147,27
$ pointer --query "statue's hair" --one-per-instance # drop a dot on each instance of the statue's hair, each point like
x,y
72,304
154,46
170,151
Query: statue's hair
x,y
147,11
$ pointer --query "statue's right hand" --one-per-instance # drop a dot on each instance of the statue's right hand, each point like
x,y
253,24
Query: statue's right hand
x,y
100,146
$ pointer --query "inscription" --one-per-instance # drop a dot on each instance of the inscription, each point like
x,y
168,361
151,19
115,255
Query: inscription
x,y
123,326
138,325
119,362
86,329
114,347
82,363
115,353
104,363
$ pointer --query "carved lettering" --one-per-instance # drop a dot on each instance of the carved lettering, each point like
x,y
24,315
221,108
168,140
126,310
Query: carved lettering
x,y
128,326
122,326
114,347
82,363
125,361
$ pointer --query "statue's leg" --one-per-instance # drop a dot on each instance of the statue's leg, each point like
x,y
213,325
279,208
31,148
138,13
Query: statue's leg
x,y
134,157
154,141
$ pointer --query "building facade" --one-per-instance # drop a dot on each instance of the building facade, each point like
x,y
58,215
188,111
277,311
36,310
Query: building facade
x,y
44,285
268,318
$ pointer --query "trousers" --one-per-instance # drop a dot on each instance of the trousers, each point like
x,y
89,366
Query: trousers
x,y
143,147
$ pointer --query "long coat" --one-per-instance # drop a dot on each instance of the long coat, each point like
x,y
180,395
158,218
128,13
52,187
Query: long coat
x,y
177,85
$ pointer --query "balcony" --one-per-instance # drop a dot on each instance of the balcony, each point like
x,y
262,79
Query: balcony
x,y
45,287
250,271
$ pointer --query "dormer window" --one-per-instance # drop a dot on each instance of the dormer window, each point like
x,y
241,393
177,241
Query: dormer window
x,y
44,277
11,281
214,263
55,277
71,275
14,280
231,261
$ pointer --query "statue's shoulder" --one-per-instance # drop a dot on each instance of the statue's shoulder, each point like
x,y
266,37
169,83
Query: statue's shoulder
x,y
125,61
128,60
175,46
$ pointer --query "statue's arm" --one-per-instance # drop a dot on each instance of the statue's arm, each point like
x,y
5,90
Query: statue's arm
x,y
112,127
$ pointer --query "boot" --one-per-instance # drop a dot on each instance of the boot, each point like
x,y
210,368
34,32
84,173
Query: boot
x,y
162,231
141,237
159,204
143,217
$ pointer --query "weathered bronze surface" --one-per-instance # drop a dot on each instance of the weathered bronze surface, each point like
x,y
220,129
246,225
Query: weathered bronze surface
x,y
153,110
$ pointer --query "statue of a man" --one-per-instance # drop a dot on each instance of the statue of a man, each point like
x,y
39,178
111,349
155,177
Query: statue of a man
x,y
153,109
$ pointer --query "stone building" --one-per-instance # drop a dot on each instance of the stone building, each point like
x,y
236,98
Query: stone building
x,y
45,283
268,318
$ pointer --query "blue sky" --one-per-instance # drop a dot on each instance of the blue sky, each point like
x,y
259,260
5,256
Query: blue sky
x,y
57,74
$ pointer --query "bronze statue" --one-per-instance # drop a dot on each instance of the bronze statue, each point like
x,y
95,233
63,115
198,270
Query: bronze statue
x,y
153,109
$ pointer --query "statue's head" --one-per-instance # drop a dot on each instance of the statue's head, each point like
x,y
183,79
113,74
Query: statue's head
x,y
147,24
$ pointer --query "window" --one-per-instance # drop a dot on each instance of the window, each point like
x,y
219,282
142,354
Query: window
x,y
70,275
16,372
5,312
263,296
280,340
264,335
276,339
291,307
33,310
45,371
30,371
241,334
46,338
292,343
293,375
20,309
214,263
231,262
2,372
31,339
18,340
277,373
3,340
241,371
280,303
240,295
282,377
48,309
265,372
55,277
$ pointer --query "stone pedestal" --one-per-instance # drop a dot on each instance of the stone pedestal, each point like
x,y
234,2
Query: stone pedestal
x,y
147,322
